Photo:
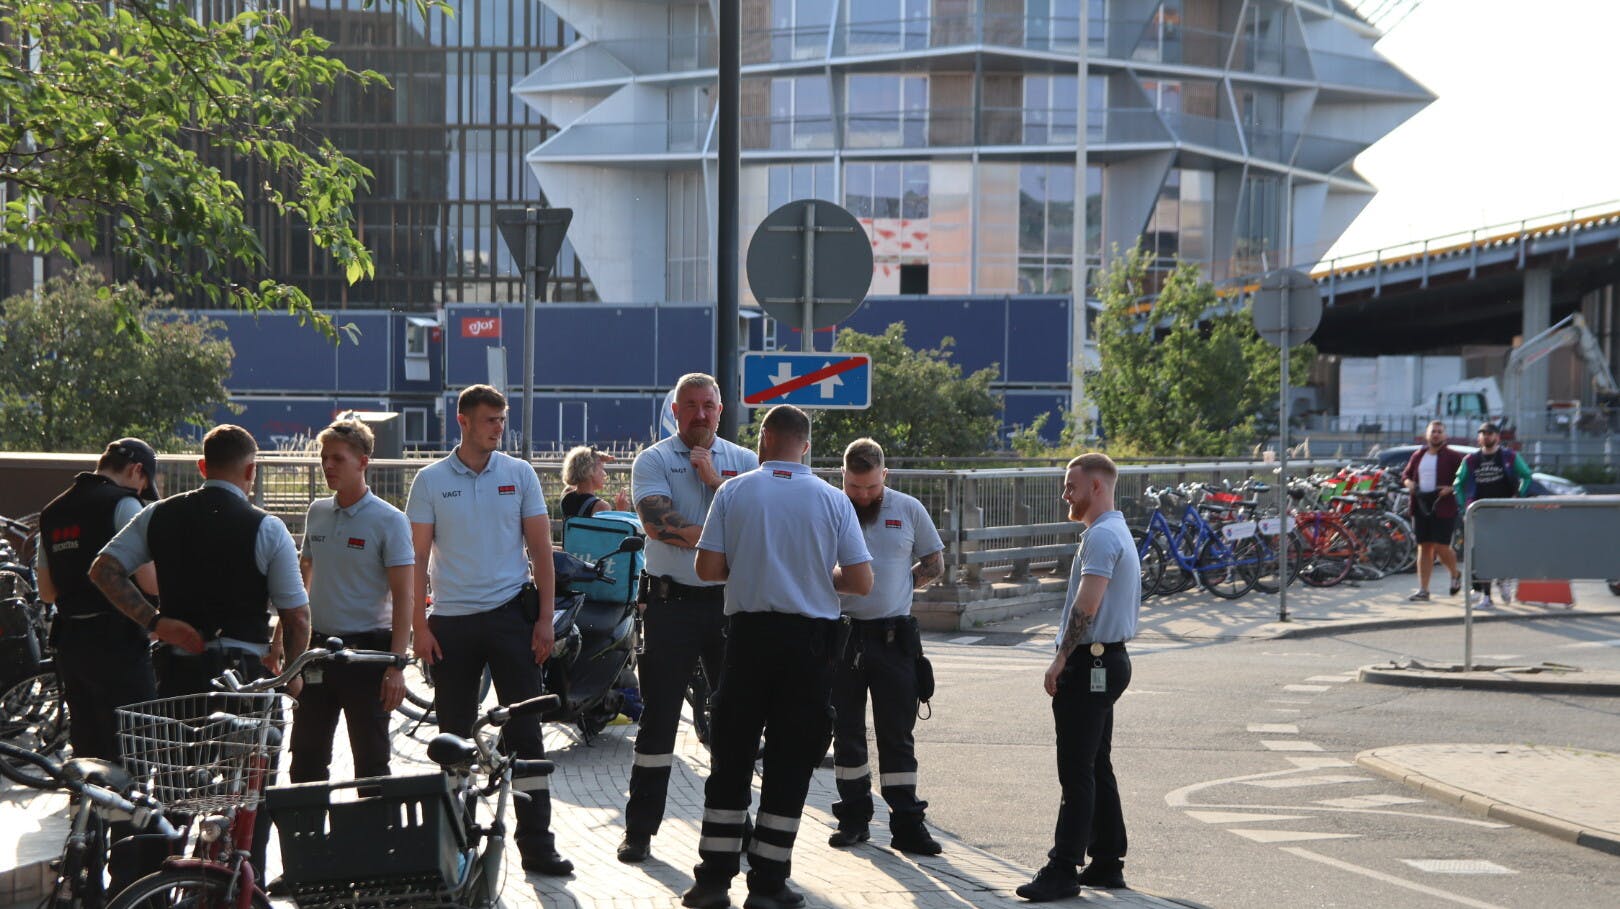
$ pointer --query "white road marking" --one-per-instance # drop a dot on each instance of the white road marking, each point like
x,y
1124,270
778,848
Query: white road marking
x,y
1295,782
1284,710
1289,653
1317,763
1369,801
1331,679
1388,878
1291,836
1306,688
1240,817
1504,657
1290,745
1458,866
1612,642
966,639
1406,814
1286,701
1278,728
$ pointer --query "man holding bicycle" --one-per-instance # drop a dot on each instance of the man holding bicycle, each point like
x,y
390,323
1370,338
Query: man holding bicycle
x,y
479,527
357,564
101,659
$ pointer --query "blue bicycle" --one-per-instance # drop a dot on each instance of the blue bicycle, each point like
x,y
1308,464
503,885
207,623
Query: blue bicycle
x,y
1224,564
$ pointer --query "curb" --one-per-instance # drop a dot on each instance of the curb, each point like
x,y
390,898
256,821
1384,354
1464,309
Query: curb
x,y
1418,678
26,884
1475,803
1317,631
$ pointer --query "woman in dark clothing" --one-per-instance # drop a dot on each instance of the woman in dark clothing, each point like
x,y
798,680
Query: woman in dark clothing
x,y
584,472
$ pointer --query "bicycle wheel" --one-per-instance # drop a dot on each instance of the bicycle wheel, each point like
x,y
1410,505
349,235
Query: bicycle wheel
x,y
190,888
1177,578
418,703
33,716
1265,579
1330,555
1228,571
1151,554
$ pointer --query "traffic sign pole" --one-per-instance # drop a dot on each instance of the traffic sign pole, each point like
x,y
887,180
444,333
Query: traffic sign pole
x,y
1282,480
807,334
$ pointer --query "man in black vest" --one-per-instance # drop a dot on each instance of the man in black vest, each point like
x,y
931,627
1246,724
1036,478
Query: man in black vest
x,y
220,563
101,658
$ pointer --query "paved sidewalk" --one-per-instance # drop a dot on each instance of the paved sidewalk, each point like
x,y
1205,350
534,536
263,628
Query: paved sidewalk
x,y
1352,606
1567,793
588,792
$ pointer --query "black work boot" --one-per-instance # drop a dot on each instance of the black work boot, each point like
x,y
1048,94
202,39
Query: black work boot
x,y
1053,882
1105,874
914,838
707,895
540,855
783,897
846,836
635,848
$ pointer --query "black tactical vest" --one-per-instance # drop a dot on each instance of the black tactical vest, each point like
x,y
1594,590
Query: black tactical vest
x,y
72,530
202,543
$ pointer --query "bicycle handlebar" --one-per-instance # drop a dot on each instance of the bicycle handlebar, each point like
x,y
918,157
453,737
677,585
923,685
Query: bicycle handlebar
x,y
145,812
334,652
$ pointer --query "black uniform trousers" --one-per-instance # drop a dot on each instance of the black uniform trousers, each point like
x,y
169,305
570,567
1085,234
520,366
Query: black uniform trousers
x,y
103,663
497,639
882,658
777,681
680,630
1090,814
353,691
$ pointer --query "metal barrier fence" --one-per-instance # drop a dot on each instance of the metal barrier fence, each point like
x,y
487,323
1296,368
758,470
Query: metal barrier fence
x,y
1002,523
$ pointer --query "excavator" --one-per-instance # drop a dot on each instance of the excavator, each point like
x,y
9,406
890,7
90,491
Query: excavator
x,y
1571,331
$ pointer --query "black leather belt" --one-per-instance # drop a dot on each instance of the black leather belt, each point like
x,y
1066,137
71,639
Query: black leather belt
x,y
667,588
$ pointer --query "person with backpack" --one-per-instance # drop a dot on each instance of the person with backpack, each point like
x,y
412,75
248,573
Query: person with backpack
x,y
584,473
1492,472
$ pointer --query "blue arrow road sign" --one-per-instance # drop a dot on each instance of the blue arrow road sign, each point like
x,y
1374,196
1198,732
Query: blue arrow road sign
x,y
829,381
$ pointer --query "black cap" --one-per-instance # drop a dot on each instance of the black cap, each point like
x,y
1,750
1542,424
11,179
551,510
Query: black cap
x,y
137,451
1488,426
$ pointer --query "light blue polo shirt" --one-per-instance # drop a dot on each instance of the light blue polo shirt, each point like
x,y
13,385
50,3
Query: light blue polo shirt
x,y
783,529
479,559
665,469
350,551
1107,550
274,552
901,534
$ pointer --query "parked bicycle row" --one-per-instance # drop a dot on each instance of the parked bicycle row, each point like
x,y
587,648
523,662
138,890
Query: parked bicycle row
x,y
1229,539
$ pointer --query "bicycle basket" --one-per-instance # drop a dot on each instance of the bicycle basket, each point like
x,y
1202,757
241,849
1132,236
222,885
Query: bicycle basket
x,y
392,841
194,752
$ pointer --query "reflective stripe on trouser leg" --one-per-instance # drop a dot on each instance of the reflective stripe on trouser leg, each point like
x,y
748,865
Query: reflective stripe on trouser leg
x,y
675,636
892,678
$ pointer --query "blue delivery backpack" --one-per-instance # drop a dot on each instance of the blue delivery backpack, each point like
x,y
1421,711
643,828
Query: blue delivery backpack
x,y
597,535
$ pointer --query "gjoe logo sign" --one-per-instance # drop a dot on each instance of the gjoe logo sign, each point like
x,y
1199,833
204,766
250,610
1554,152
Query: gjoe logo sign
x,y
472,327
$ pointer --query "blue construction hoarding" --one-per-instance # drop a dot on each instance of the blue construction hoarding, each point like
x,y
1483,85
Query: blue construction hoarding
x,y
601,370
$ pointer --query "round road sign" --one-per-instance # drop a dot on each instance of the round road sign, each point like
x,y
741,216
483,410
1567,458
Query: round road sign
x,y
841,271
1295,290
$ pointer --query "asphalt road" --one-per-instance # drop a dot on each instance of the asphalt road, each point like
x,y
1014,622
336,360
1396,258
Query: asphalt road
x,y
1195,767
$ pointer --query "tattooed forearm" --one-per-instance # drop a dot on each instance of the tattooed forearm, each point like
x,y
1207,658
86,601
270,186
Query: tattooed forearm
x,y
1079,626
665,524
295,631
927,568
113,581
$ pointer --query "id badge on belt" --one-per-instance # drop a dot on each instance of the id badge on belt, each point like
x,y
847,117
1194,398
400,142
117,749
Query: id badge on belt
x,y
313,675
1099,675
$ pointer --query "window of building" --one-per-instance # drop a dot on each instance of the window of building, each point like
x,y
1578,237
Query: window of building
x,y
799,28
416,425
1052,25
886,111
416,336
886,190
1045,228
1051,107
887,25
787,182
801,113
686,267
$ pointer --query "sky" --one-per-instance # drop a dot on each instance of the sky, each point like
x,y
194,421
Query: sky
x,y
1526,122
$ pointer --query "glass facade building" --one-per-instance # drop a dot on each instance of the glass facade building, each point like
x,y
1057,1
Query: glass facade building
x,y
988,146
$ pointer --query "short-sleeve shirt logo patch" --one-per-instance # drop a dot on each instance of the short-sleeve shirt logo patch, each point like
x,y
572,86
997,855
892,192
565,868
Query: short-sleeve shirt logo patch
x,y
357,543
507,490
728,473
892,523
782,474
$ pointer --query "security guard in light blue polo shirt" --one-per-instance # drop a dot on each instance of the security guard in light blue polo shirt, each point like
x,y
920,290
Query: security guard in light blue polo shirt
x,y
474,517
673,483
882,656
787,544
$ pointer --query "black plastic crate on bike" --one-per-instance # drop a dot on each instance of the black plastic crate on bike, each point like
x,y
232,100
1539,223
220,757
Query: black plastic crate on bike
x,y
393,840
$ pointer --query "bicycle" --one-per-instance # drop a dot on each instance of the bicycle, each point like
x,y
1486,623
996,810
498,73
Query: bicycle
x,y
1197,548
209,756
407,841
34,718
103,794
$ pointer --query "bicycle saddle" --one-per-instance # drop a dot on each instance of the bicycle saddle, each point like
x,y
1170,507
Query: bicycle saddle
x,y
97,773
449,750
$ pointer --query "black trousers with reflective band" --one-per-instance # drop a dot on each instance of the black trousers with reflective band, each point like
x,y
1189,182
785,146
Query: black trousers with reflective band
x,y
497,639
777,682
353,692
887,668
677,635
1090,815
